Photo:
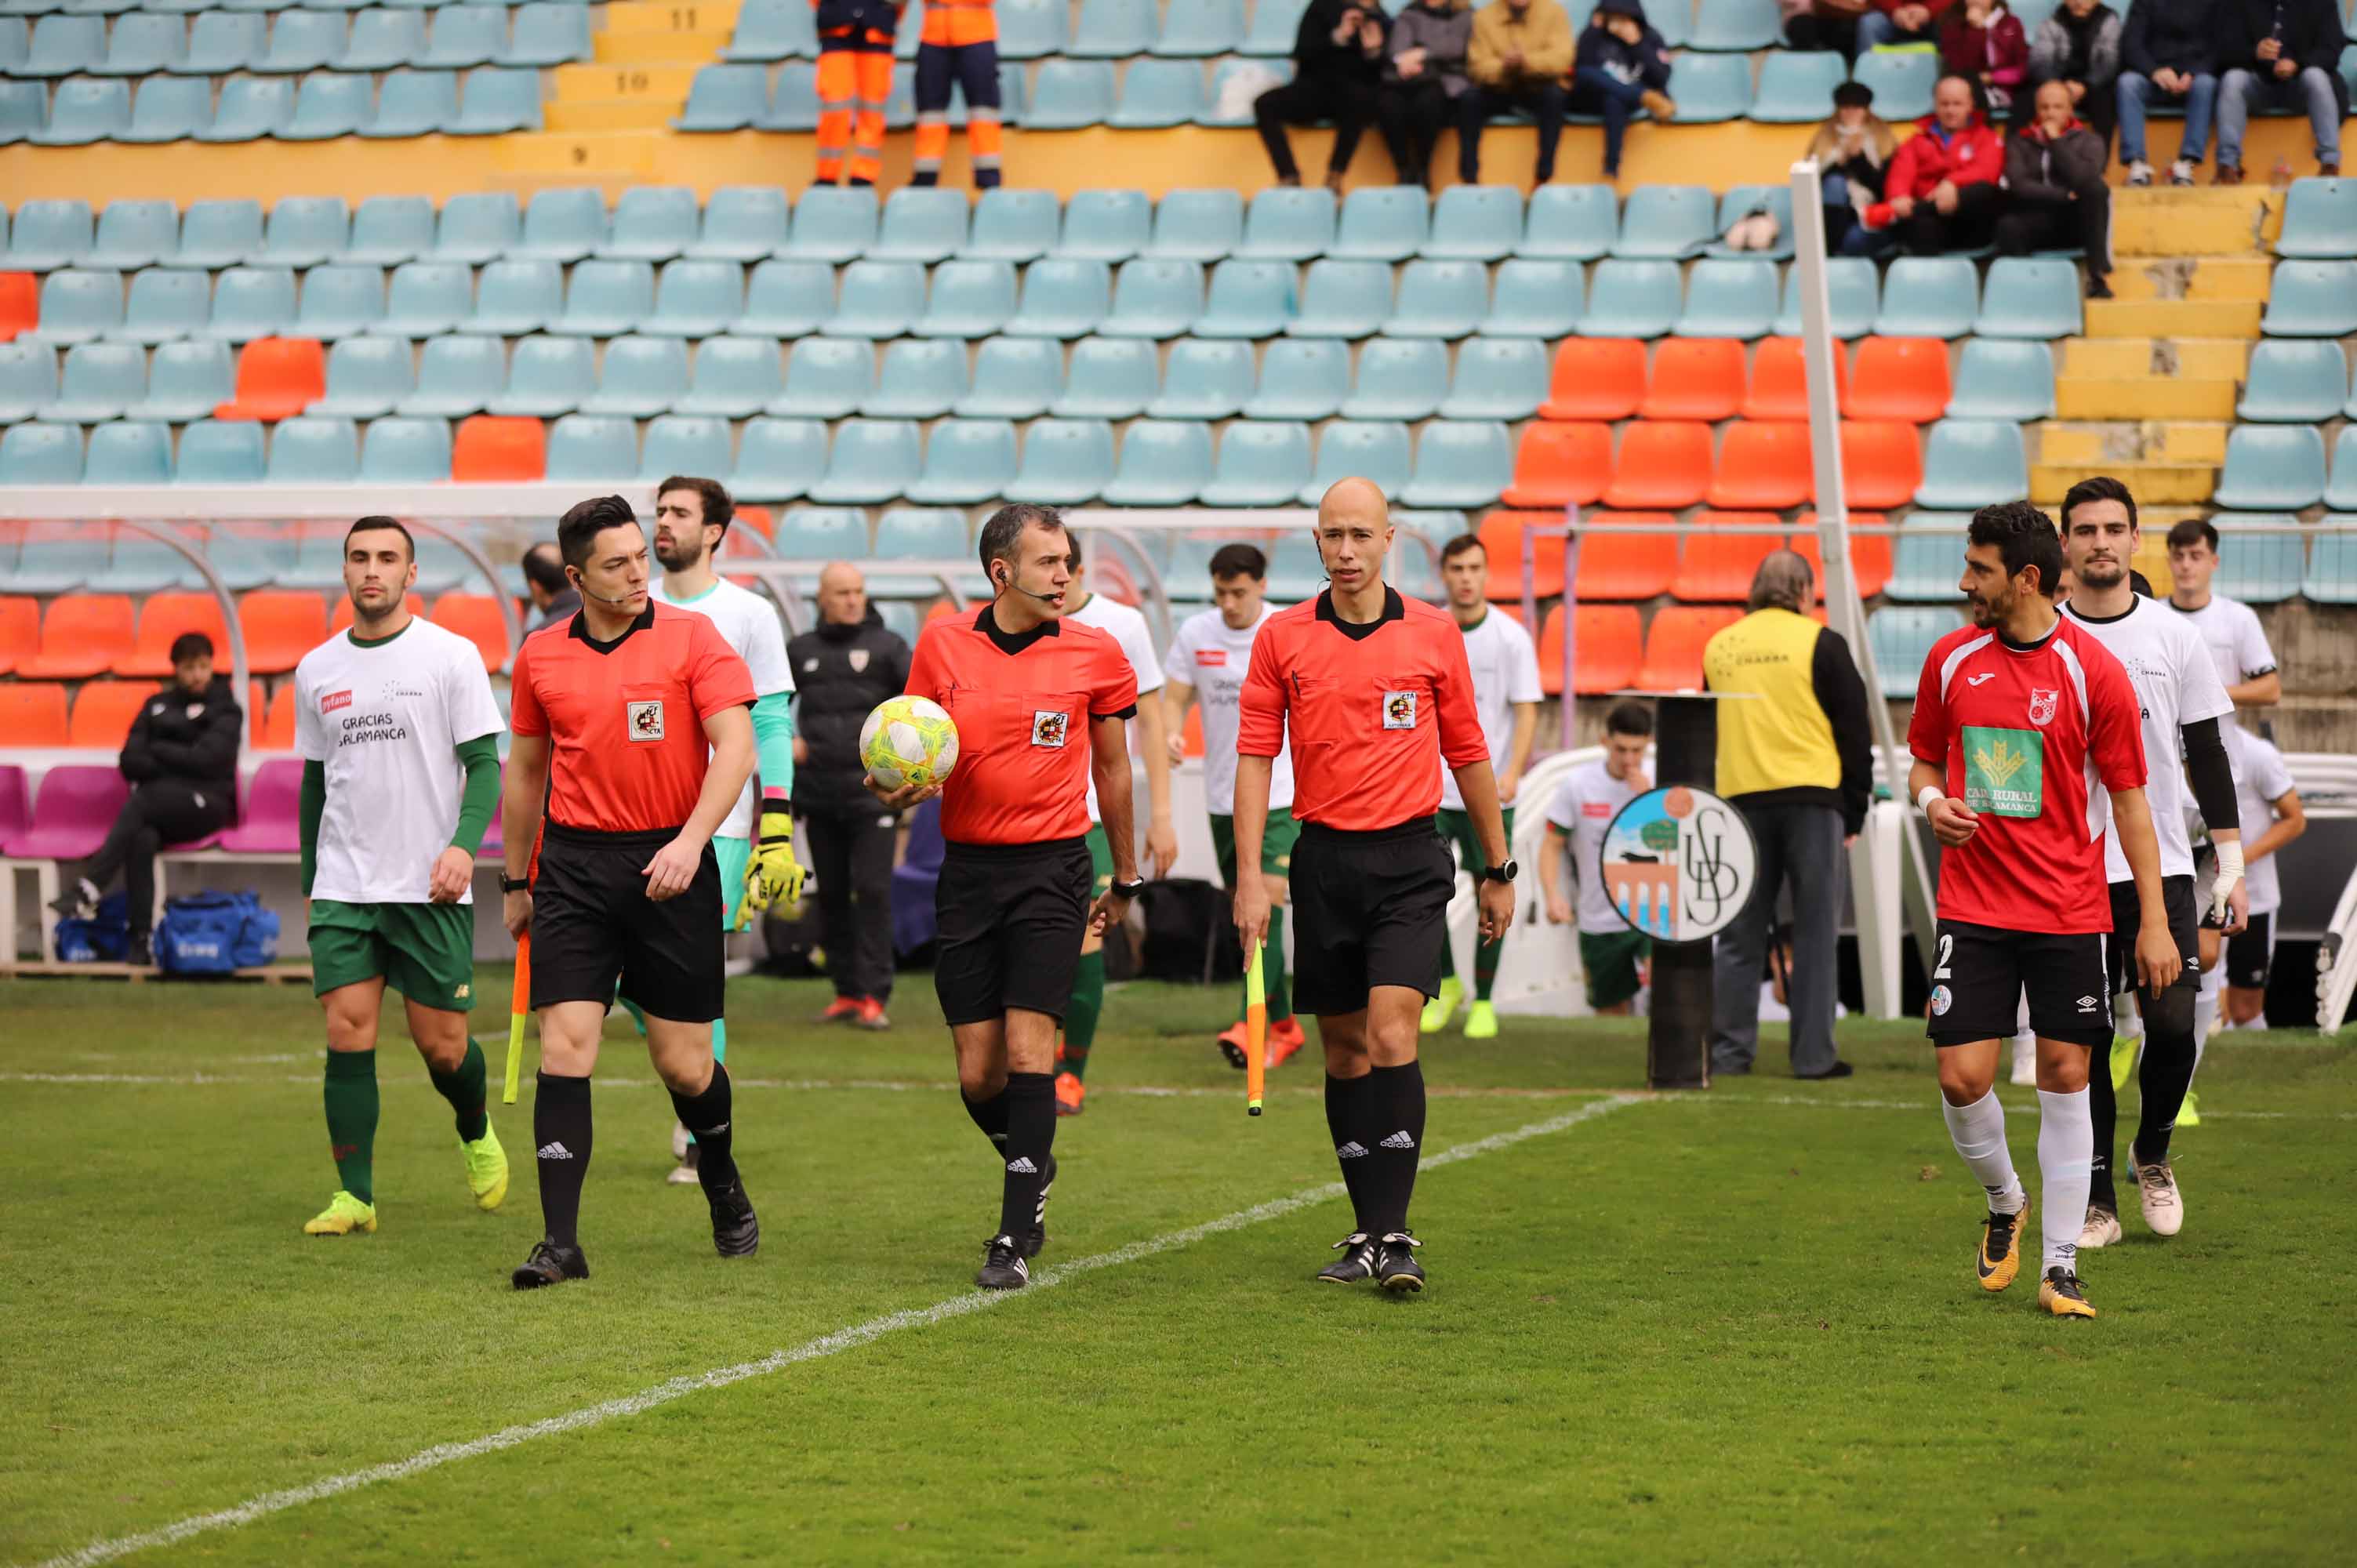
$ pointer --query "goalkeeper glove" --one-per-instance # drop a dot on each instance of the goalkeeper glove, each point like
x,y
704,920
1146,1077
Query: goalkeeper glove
x,y
772,875
2229,872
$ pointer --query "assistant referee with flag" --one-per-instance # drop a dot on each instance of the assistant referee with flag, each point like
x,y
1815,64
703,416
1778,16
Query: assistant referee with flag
x,y
1376,693
631,721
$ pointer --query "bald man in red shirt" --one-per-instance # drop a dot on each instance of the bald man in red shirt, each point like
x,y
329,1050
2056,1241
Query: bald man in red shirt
x,y
1376,692
1041,704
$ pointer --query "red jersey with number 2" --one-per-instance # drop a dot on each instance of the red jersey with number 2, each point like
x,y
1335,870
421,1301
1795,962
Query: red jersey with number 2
x,y
2023,734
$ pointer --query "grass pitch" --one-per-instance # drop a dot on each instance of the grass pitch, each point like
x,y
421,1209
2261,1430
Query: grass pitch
x,y
1736,1326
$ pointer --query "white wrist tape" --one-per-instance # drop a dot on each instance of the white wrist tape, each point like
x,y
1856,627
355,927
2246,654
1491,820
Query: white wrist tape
x,y
1930,792
2229,872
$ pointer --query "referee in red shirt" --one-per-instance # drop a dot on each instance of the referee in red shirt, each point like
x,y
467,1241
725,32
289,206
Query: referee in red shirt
x,y
1376,692
1040,705
614,712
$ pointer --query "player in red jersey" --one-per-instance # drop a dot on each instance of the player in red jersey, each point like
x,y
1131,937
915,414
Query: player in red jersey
x,y
1041,704
2017,716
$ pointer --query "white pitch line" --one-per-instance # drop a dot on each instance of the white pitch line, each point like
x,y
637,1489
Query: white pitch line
x,y
833,1344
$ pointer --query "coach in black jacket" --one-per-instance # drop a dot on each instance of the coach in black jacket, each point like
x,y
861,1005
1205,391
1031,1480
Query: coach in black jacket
x,y
843,668
181,760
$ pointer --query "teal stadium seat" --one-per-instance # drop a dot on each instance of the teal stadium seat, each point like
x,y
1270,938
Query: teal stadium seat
x,y
1631,299
2294,381
1539,299
920,379
2332,566
920,533
1013,377
1728,298
1474,223
1223,108
1164,463
1497,378
477,226
305,230
587,448
1742,200
1158,94
826,378
1192,225
741,224
1901,638
1030,29
1927,558
777,457
63,46
40,454
1737,26
725,97
1666,222
547,378
2312,299
1372,449
426,300
1070,95
251,109
1440,299
24,108
1274,24
406,452
458,375
1202,29
545,35
1973,463
1261,463
142,45
685,443
1997,378
873,461
1927,296
639,378
735,378
1796,86
772,31
1383,223
1113,30
824,533
49,234
367,379
101,381
1570,224
1288,223
1295,573
339,301
330,105
133,234
651,223
303,41
1853,294
1108,226
786,299
2340,495
968,299
1109,378
1065,461
1398,378
124,453
28,381
463,36
1343,299
222,43
879,299
1011,226
2272,469
1902,82
2264,568
186,381
2029,297
1205,380
696,298
603,299
307,451
1304,380
168,109
563,224
1712,89
383,40
1063,299
793,100
84,110
79,303
832,224
1460,462
968,461
923,224
2319,221
1155,298
388,231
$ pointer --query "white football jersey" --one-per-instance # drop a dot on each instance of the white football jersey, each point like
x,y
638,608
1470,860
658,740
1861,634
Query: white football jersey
x,y
1211,656
750,624
1506,665
1127,627
2176,685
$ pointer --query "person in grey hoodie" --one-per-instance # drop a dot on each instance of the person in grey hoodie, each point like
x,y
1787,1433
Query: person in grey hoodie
x,y
1424,75
2078,46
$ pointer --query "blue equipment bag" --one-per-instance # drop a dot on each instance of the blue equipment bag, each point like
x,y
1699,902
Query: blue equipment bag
x,y
104,938
214,933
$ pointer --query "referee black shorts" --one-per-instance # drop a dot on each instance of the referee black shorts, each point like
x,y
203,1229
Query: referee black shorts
x,y
594,927
2184,925
1369,908
1011,920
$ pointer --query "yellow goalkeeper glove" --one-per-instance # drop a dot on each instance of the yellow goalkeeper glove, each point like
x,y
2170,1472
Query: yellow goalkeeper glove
x,y
772,876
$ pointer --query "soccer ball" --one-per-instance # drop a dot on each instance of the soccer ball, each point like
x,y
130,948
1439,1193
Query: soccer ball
x,y
908,740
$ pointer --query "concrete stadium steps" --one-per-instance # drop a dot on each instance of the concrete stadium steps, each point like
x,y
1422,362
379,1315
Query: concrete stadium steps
x,y
2200,220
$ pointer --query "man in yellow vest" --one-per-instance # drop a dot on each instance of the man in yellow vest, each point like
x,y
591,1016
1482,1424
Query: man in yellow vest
x,y
1794,759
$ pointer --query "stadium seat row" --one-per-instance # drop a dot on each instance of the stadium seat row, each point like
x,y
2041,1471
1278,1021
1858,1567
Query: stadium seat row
x,y
222,43
88,634
493,101
51,558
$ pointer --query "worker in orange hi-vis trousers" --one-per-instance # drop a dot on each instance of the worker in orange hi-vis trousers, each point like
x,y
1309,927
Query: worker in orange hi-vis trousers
x,y
854,80
959,45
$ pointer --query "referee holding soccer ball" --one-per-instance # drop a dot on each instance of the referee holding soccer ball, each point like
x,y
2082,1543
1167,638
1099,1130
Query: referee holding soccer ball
x,y
1376,693
1040,705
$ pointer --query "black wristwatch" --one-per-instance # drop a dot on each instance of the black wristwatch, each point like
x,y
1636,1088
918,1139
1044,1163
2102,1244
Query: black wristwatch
x,y
1130,890
514,884
1505,872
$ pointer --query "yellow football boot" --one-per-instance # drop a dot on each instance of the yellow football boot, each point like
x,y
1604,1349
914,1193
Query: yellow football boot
x,y
487,1169
1999,1257
2059,1293
343,1215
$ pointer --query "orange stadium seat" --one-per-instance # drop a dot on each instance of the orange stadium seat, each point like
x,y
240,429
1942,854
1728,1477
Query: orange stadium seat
x,y
1719,566
492,449
1869,553
1882,463
475,616
20,630
1626,565
1190,733
1898,378
164,617
758,520
1502,537
277,378
281,625
1609,640
1763,464
1665,464
342,618
33,712
1673,646
20,303
271,724
1560,464
103,712
1694,378
1595,378
1779,386
82,635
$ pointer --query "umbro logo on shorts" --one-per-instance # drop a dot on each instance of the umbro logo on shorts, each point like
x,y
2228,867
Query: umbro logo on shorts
x,y
1399,1140
554,1151
2086,1004
1350,1150
1021,1165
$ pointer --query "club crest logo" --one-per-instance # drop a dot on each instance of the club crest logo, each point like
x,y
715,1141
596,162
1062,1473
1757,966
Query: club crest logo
x,y
646,720
1941,1000
858,659
1049,726
2041,705
1399,710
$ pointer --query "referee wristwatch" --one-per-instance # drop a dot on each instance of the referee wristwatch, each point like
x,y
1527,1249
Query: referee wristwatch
x,y
514,884
1505,872
1130,890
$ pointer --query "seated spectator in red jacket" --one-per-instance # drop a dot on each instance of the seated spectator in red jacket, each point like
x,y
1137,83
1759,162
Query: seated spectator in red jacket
x,y
2055,194
1943,191
1981,39
1901,22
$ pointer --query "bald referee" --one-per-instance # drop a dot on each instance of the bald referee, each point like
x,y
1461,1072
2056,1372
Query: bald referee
x,y
616,711
1041,704
1376,693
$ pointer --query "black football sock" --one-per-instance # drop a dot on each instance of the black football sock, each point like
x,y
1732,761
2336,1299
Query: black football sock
x,y
706,1118
1350,1118
560,1129
1030,1102
463,1088
2164,1072
2104,1111
1392,1159
990,1116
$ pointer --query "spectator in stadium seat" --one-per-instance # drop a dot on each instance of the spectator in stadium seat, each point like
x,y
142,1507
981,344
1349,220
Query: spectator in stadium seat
x,y
181,761
553,596
1522,50
1852,151
1337,56
2079,46
1943,193
1901,22
1796,762
1827,25
1424,77
1981,39
2055,194
1623,66
2169,53
2281,55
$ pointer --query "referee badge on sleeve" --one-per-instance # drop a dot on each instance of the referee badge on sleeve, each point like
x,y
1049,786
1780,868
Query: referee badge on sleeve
x,y
646,719
1399,710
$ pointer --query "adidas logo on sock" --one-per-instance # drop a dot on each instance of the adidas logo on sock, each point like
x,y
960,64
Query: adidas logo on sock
x,y
554,1151
1021,1165
713,1131
1350,1150
1399,1140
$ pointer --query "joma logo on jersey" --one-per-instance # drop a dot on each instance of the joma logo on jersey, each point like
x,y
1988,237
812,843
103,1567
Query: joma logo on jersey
x,y
2041,704
1049,726
1399,710
646,719
329,702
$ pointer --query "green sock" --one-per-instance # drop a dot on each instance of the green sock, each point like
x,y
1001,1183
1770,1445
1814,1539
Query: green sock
x,y
638,1014
1272,967
464,1089
720,1039
350,1092
1081,1017
1485,967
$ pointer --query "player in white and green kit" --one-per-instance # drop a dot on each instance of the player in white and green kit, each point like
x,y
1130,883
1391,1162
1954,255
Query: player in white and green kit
x,y
399,736
691,517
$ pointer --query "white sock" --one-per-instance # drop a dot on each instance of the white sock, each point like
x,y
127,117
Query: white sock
x,y
2205,1024
2066,1159
2127,1018
1978,1132
2025,1050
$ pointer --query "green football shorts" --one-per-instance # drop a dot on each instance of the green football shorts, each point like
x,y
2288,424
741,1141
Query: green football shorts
x,y
1456,828
1100,861
1277,843
1611,964
426,952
